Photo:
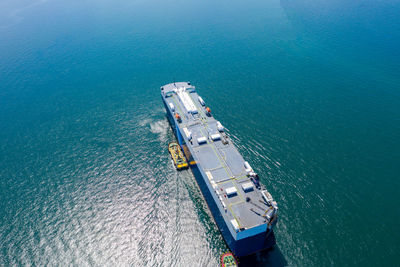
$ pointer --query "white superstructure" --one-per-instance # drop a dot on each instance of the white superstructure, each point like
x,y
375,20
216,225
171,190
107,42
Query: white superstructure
x,y
186,100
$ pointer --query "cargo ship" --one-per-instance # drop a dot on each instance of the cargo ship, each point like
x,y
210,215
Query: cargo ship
x,y
241,206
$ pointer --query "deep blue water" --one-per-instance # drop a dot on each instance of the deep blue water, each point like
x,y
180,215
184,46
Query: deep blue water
x,y
309,90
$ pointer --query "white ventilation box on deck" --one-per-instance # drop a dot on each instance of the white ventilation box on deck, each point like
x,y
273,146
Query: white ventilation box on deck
x,y
201,140
172,107
247,186
201,101
220,127
248,167
230,191
223,203
215,137
235,225
187,133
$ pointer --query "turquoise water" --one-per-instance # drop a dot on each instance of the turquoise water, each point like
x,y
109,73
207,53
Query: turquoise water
x,y
309,91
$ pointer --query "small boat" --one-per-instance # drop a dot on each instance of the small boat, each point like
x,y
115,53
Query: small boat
x,y
177,156
228,260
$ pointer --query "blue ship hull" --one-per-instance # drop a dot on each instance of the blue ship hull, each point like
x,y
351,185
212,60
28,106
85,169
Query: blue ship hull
x,y
241,247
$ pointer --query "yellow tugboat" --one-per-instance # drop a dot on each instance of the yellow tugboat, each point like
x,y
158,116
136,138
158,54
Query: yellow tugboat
x,y
177,156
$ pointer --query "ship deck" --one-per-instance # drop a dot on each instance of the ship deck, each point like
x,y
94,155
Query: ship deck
x,y
219,159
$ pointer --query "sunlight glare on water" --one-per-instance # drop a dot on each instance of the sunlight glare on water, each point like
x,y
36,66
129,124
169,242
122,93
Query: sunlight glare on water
x,y
308,92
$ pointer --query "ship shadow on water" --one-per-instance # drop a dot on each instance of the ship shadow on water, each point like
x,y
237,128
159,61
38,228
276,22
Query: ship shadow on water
x,y
271,257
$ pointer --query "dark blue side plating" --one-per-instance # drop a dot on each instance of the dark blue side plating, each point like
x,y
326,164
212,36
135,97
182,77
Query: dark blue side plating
x,y
240,247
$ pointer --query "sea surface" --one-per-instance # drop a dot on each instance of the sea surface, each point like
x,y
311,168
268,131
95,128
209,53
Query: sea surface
x,y
309,91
